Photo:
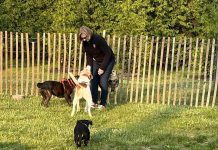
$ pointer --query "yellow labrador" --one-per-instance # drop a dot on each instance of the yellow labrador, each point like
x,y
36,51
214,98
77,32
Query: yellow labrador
x,y
82,91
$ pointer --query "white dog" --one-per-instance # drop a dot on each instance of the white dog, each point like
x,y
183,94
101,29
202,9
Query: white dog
x,y
82,91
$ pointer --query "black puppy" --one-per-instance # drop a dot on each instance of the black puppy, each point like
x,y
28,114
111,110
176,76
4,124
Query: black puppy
x,y
61,89
81,132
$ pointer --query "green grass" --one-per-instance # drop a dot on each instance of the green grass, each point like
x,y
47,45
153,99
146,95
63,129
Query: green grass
x,y
27,125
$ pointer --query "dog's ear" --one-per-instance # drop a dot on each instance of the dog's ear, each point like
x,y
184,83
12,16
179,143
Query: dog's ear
x,y
90,76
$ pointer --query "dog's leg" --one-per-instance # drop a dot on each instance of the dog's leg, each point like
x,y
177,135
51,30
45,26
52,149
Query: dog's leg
x,y
48,97
115,96
88,97
68,99
75,100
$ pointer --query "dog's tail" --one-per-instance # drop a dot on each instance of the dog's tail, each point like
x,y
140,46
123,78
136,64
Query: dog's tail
x,y
42,86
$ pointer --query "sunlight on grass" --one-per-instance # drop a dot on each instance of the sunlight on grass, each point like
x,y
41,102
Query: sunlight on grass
x,y
27,125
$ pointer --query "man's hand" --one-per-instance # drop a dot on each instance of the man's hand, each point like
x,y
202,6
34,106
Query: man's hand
x,y
100,71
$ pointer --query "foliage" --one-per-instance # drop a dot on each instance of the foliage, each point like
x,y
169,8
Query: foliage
x,y
154,17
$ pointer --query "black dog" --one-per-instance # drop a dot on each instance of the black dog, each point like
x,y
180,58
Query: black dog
x,y
81,132
61,89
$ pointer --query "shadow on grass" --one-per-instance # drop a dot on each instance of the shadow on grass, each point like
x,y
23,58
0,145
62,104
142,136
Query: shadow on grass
x,y
13,145
151,132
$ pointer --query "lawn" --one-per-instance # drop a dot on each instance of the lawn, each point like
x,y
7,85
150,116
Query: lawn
x,y
27,125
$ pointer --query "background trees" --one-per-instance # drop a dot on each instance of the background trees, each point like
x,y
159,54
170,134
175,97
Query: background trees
x,y
154,17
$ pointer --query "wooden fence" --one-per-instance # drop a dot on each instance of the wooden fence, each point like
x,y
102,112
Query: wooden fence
x,y
170,70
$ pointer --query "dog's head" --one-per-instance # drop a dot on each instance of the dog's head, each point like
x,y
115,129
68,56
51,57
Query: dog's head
x,y
85,75
113,80
86,122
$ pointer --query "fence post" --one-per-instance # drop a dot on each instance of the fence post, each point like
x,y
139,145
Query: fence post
x,y
33,69
54,52
28,64
155,67
183,67
149,69
59,55
189,67
38,60
75,54
6,62
133,73
43,57
1,61
165,71
129,64
216,82
177,65
144,68
11,63
160,70
211,72
16,62
65,55
139,68
69,57
199,73
171,71
205,73
49,56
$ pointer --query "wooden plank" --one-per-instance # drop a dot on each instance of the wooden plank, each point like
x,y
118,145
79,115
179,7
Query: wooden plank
x,y
134,66
123,62
80,57
189,68
69,56
155,67
193,75
211,73
28,64
149,69
65,55
177,68
104,33
54,52
38,61
183,68
84,65
216,82
139,68
165,71
1,63
43,56
49,56
6,62
11,63
118,50
160,70
144,69
205,73
59,56
108,39
129,64
22,64
75,54
33,68
17,80
171,71
199,73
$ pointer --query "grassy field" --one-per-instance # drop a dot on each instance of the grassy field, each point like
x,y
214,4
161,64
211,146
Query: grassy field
x,y
27,125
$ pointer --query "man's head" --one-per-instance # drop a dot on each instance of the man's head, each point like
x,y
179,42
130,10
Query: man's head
x,y
85,33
